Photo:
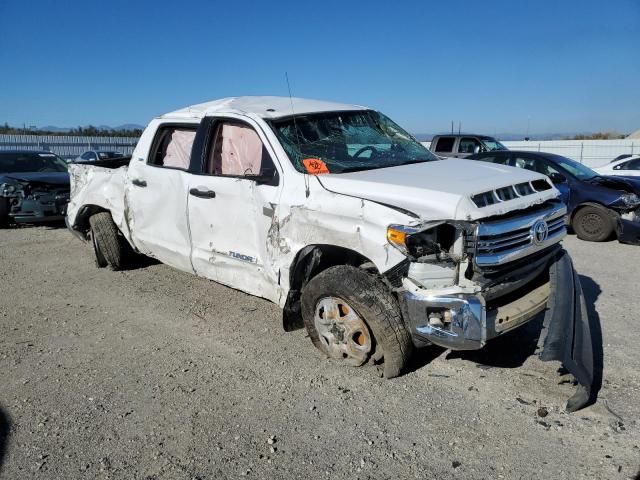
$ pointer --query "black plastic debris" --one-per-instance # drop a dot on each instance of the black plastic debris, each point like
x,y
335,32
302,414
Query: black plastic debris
x,y
567,333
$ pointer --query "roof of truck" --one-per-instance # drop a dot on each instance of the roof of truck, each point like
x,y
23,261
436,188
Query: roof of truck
x,y
265,107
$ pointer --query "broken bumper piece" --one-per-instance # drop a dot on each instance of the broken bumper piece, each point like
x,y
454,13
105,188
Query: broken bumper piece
x,y
628,228
467,324
570,335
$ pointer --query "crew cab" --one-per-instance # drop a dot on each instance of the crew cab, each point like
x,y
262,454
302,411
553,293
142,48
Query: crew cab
x,y
342,218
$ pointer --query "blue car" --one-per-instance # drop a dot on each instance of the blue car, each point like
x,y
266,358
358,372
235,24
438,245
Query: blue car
x,y
34,187
598,206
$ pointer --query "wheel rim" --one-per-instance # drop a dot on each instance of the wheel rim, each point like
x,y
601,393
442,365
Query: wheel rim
x,y
342,331
592,224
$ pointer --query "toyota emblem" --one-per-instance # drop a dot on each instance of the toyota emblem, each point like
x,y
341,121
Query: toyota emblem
x,y
539,232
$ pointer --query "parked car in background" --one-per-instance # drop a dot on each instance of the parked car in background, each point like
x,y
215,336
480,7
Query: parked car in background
x,y
463,145
95,155
628,166
598,206
34,187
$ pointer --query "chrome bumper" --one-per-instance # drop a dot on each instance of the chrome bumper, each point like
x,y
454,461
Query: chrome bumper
x,y
471,323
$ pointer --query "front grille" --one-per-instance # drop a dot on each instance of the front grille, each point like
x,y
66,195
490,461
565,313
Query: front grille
x,y
504,241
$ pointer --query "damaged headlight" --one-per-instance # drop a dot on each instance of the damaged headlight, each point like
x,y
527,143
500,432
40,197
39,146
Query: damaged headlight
x,y
629,200
7,189
435,239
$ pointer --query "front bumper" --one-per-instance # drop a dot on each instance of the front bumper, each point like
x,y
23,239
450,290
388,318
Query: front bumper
x,y
569,334
471,323
628,228
49,208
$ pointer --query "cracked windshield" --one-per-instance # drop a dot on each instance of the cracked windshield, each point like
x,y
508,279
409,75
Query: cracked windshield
x,y
348,142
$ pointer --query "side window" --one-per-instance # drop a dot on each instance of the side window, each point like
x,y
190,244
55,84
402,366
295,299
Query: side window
x,y
235,149
445,144
535,165
172,146
633,164
468,145
630,165
85,156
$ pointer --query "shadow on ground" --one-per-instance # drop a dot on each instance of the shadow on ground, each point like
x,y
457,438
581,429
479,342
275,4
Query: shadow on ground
x,y
513,348
4,435
592,291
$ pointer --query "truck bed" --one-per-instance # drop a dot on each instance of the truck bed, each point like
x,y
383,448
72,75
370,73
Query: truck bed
x,y
100,186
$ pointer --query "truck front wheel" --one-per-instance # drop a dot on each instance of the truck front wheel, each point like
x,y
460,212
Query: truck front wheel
x,y
4,212
352,317
109,246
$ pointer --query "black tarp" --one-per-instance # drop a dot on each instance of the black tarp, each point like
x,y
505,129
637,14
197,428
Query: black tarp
x,y
569,334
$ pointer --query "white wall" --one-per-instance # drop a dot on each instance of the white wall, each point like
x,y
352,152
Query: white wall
x,y
592,153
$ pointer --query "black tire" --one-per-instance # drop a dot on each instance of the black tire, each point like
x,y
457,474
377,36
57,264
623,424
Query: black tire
x,y
373,303
101,262
593,224
4,212
111,246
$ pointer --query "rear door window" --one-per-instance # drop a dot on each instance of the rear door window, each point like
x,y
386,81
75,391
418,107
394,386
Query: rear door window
x,y
172,146
445,144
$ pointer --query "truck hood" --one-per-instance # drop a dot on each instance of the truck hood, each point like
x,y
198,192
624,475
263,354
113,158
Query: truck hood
x,y
441,190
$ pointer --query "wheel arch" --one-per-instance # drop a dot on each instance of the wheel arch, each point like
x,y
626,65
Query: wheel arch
x,y
309,262
81,221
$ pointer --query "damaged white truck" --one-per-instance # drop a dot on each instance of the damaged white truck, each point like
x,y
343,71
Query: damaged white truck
x,y
353,227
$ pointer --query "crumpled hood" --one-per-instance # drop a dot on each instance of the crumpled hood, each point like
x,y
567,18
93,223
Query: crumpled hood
x,y
438,190
622,183
51,178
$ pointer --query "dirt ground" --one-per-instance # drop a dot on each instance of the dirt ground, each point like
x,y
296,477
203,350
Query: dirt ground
x,y
153,373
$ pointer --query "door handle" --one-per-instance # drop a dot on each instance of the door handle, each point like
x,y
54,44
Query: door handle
x,y
202,193
139,183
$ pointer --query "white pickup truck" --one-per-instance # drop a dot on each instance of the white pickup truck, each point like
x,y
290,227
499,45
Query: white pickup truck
x,y
342,218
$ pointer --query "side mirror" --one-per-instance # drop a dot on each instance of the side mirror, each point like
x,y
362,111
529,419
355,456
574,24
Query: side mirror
x,y
476,149
268,176
557,178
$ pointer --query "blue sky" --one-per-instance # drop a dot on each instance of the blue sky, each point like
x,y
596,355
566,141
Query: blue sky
x,y
560,66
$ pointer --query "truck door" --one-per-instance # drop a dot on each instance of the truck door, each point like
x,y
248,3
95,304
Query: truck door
x,y
156,196
231,204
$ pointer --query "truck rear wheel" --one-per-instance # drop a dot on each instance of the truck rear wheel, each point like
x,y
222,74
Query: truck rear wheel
x,y
352,317
592,224
109,246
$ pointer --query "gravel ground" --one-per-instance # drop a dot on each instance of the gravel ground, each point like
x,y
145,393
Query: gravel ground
x,y
153,373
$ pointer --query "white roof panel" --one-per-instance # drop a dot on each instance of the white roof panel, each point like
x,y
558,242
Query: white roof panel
x,y
265,107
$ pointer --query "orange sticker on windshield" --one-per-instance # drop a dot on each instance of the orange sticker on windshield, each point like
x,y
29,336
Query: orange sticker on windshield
x,y
315,166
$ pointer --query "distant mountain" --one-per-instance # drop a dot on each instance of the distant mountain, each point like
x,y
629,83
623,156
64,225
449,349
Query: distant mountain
x,y
130,126
126,126
51,128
